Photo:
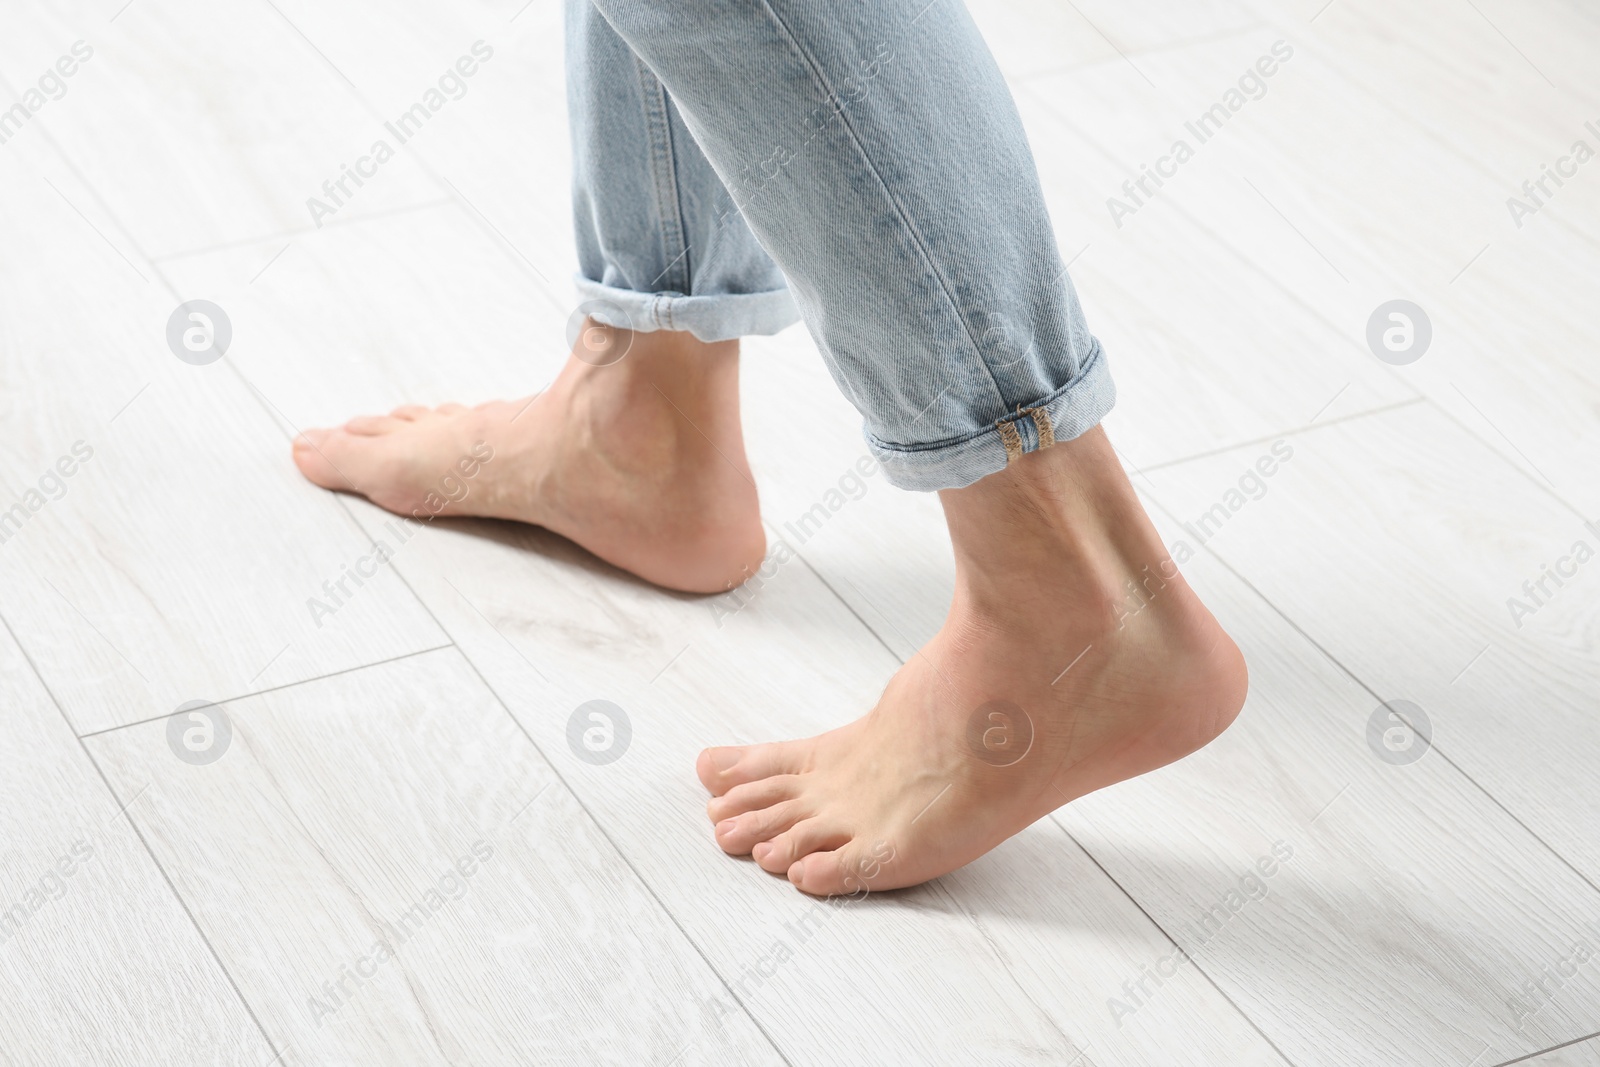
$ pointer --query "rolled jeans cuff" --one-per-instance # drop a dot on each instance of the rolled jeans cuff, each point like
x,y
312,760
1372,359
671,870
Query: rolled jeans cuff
x,y
718,317
1070,411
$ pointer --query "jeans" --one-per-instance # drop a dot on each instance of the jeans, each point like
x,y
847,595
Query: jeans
x,y
860,163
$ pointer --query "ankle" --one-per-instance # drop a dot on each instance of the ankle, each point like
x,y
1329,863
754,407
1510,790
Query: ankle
x,y
652,399
628,364
1062,525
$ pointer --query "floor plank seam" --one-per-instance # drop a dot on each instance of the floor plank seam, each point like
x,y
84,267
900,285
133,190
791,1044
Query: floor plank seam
x,y
542,284
1373,693
281,235
1547,1051
1124,54
1056,819
604,832
1223,242
1005,965
1544,484
1307,428
66,160
800,555
277,688
275,415
145,844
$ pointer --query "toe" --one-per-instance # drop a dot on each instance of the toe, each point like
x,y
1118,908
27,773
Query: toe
x,y
410,412
318,454
851,870
450,409
373,425
753,796
739,835
796,843
723,768
311,438
823,874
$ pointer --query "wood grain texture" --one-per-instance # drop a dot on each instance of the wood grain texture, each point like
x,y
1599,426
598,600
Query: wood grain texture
x,y
156,548
1397,542
1539,49
199,124
476,331
1433,904
392,874
98,960
499,147
1581,1054
1032,37
1348,186
1207,345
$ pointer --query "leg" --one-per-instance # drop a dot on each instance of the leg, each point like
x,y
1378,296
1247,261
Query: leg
x,y
874,149
635,451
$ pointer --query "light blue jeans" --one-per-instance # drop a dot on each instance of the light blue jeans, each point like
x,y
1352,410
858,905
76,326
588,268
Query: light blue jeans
x,y
859,163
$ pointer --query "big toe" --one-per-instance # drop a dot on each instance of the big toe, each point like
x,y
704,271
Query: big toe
x,y
849,870
327,458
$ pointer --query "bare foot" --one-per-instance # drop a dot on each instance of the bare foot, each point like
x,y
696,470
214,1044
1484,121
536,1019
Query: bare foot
x,y
641,461
1048,680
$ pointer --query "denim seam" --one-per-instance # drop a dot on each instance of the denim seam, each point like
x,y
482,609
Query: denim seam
x,y
1041,422
664,170
899,209
1096,353
1011,439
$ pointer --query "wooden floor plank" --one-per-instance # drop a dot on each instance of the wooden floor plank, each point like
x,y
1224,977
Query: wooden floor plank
x,y
1581,1054
1432,904
1401,545
1541,47
1349,192
202,123
393,874
154,547
1207,347
99,962
499,145
1033,37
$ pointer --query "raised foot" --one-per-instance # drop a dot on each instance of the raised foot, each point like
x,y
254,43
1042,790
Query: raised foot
x,y
969,744
642,463
1075,656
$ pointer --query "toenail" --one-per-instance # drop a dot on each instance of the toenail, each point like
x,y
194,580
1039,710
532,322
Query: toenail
x,y
725,826
796,872
761,849
724,759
